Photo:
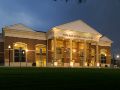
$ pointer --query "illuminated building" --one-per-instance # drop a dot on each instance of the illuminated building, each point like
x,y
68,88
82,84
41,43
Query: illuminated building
x,y
73,44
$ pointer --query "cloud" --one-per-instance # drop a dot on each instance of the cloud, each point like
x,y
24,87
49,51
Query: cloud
x,y
7,18
24,18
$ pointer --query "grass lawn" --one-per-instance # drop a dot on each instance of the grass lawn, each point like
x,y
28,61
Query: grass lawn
x,y
59,78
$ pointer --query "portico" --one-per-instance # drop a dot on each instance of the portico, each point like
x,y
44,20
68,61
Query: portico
x,y
78,47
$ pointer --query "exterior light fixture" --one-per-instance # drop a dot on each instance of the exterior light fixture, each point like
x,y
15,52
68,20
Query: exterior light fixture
x,y
23,52
9,47
117,56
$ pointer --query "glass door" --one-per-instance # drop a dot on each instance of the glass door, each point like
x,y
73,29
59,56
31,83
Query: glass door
x,y
40,55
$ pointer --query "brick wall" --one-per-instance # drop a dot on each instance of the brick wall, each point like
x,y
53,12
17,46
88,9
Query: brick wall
x,y
30,46
1,52
108,57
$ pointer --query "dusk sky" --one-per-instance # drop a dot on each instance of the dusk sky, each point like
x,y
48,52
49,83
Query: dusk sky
x,y
103,15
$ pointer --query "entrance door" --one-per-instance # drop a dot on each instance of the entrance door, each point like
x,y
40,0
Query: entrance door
x,y
40,55
92,57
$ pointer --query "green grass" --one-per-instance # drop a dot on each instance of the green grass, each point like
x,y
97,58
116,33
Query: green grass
x,y
60,78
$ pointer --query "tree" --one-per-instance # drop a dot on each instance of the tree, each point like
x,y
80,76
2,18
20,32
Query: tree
x,y
79,1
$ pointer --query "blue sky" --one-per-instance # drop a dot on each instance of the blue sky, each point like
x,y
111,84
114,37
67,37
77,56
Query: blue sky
x,y
103,15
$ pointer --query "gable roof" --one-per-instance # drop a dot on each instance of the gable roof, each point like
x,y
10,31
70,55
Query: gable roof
x,y
106,39
18,27
78,25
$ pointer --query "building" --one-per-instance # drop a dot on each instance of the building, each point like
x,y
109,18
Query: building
x,y
73,44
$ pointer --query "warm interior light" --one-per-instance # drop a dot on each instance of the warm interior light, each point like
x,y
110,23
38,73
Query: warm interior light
x,y
37,63
9,46
15,44
71,64
82,46
105,55
74,50
98,64
85,63
55,63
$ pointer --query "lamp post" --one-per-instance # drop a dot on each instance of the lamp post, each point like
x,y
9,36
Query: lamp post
x,y
118,60
41,56
9,47
20,50
26,55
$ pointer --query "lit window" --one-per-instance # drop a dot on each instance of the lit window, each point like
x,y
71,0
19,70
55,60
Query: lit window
x,y
19,52
103,58
19,55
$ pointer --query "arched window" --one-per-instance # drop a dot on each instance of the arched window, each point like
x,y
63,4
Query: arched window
x,y
103,53
19,52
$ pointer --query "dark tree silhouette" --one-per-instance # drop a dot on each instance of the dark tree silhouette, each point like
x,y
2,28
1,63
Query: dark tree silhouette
x,y
79,1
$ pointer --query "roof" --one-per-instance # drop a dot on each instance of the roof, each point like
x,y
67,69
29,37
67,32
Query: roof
x,y
78,25
106,39
19,27
40,31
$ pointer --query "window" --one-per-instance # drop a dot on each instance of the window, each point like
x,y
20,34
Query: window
x,y
103,58
19,55
59,50
103,55
20,52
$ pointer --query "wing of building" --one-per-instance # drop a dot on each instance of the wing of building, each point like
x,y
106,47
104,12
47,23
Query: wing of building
x,y
73,44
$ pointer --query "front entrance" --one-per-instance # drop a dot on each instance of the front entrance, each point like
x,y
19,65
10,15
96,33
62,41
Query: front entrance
x,y
40,55
90,58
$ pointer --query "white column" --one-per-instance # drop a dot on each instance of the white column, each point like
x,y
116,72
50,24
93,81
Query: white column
x,y
97,55
54,49
47,53
71,61
85,56
70,50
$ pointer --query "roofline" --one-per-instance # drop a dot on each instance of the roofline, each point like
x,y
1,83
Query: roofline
x,y
17,24
106,37
40,31
83,22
